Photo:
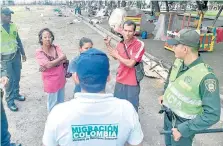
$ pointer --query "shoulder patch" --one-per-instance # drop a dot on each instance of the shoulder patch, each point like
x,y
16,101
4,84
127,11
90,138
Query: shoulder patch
x,y
208,67
210,85
188,79
14,33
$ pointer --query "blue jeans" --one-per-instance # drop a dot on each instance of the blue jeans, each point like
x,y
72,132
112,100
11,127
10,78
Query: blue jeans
x,y
78,11
130,93
54,99
13,69
5,135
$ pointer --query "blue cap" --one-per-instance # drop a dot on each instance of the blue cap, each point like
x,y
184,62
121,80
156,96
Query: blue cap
x,y
93,70
6,11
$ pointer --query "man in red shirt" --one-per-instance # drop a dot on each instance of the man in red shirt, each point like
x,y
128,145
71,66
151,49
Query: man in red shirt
x,y
127,86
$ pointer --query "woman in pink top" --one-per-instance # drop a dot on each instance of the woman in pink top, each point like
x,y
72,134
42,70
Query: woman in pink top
x,y
51,59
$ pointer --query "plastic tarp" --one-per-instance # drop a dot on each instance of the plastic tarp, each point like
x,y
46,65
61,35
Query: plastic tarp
x,y
160,31
101,12
117,19
219,35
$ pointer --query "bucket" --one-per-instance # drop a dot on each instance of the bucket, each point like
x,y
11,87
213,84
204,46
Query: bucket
x,y
144,35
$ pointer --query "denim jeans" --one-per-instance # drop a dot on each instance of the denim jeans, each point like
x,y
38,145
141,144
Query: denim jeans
x,y
54,99
130,93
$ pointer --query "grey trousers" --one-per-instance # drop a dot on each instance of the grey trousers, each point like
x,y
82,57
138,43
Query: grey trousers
x,y
130,93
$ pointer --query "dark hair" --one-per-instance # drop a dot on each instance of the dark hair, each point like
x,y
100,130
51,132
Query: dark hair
x,y
129,23
41,32
85,40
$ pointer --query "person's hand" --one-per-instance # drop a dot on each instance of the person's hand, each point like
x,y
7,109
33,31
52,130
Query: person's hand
x,y
63,61
176,134
107,40
4,81
113,52
24,58
42,69
160,100
63,57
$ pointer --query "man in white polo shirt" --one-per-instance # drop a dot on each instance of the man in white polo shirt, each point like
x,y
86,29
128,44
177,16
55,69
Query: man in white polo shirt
x,y
93,118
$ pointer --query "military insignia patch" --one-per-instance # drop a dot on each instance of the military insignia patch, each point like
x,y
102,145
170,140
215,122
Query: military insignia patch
x,y
208,67
187,79
210,85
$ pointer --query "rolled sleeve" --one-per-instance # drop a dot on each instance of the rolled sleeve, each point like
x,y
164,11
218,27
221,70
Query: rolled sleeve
x,y
41,58
209,90
136,134
138,51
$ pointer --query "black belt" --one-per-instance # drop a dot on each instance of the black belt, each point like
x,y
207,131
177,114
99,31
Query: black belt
x,y
170,114
8,57
167,111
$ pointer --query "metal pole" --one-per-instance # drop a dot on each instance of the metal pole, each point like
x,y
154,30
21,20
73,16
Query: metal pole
x,y
167,6
218,130
216,18
155,5
188,24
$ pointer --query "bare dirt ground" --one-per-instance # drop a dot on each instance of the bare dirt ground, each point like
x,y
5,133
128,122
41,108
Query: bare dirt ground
x,y
27,125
